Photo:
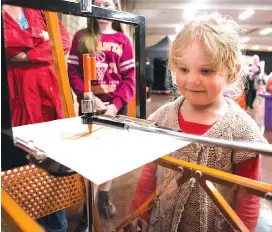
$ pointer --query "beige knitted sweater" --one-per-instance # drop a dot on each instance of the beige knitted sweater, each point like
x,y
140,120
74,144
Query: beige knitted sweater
x,y
188,208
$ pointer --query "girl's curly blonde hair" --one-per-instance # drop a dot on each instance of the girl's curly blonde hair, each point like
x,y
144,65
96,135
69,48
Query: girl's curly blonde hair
x,y
219,36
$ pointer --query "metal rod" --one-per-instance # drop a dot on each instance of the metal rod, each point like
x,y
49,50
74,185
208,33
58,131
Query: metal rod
x,y
140,59
264,149
236,145
90,206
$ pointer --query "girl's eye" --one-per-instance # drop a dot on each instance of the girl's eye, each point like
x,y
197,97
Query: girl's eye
x,y
206,71
106,4
184,70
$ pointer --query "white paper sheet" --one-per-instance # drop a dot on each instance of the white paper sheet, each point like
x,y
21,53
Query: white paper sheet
x,y
104,154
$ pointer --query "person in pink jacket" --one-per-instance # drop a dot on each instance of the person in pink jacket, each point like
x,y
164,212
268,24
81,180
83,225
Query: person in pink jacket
x,y
115,62
115,84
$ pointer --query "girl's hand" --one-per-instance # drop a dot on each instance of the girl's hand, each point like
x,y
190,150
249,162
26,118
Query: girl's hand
x,y
45,35
21,57
111,110
99,105
138,222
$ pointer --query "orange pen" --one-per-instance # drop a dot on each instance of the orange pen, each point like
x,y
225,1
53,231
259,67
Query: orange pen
x,y
93,68
88,71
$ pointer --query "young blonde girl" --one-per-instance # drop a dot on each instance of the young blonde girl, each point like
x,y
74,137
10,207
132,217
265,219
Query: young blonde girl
x,y
205,60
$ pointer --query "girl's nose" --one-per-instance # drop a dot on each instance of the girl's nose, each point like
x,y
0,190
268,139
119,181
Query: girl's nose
x,y
194,78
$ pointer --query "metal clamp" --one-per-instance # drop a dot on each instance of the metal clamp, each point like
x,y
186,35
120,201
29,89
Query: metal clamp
x,y
88,104
33,152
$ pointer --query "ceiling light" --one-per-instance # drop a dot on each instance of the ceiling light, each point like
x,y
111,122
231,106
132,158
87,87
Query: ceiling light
x,y
266,31
244,39
246,14
255,47
269,49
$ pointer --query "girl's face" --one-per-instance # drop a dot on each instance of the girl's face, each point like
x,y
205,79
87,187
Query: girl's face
x,y
197,81
109,4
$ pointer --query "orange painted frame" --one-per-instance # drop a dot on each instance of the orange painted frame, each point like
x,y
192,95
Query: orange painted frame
x,y
204,176
16,218
60,63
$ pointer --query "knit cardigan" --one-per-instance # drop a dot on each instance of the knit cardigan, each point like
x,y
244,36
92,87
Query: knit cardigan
x,y
189,203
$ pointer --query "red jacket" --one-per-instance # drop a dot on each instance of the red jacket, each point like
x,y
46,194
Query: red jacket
x,y
33,87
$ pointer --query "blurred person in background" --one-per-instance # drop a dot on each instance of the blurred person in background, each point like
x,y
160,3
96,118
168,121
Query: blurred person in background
x,y
254,71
